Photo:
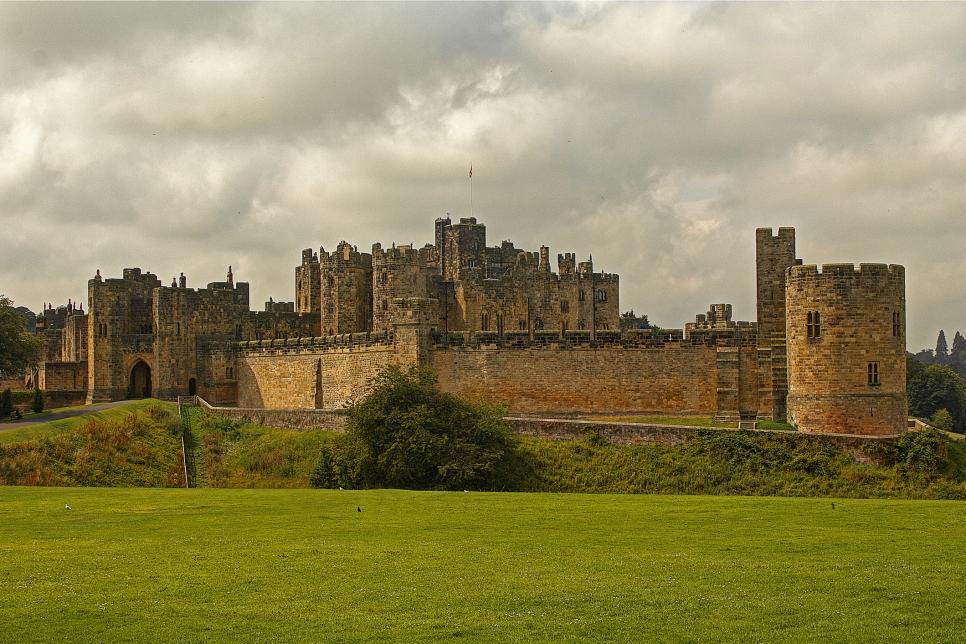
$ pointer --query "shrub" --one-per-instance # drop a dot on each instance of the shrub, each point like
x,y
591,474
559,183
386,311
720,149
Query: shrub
x,y
342,464
38,403
943,420
6,403
919,452
408,434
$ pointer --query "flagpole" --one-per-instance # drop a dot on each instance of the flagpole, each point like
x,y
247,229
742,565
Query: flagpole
x,y
471,190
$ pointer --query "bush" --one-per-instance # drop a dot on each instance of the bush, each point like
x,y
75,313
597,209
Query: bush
x,y
6,403
38,403
342,464
408,434
943,420
919,452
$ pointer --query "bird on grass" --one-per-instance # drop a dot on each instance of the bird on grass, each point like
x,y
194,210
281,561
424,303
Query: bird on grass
x,y
358,509
67,507
833,505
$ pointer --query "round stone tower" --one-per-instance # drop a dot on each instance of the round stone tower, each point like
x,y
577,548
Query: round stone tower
x,y
846,338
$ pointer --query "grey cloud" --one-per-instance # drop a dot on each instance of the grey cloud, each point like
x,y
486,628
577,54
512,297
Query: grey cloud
x,y
655,136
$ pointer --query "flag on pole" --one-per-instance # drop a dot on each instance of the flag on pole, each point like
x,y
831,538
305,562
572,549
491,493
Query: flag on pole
x,y
471,171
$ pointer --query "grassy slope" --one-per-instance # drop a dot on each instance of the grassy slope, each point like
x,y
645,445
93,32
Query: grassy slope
x,y
112,447
42,429
238,565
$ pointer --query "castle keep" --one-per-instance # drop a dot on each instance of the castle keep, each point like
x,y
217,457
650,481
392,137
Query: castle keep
x,y
827,352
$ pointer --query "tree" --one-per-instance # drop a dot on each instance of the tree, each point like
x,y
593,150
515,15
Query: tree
x,y
38,404
18,347
942,350
6,403
408,434
937,387
943,420
957,355
629,320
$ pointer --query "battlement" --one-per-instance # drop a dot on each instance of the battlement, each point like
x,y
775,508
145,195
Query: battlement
x,y
584,339
329,342
784,233
399,255
566,263
136,275
271,306
344,256
846,271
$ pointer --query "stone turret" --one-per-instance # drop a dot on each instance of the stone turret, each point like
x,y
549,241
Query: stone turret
x,y
846,331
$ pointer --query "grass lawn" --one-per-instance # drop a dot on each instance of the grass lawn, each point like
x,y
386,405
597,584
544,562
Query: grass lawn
x,y
305,565
41,429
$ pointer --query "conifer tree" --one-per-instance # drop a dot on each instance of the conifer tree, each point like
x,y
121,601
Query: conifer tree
x,y
942,349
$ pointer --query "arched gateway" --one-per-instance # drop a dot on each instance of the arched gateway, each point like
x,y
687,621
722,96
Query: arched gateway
x,y
140,382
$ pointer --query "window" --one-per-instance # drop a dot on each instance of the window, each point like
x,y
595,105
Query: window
x,y
580,296
601,295
485,322
522,325
813,325
228,372
873,374
177,328
895,324
564,306
385,305
328,308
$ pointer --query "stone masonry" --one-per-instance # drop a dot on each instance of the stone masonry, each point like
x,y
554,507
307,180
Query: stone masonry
x,y
495,323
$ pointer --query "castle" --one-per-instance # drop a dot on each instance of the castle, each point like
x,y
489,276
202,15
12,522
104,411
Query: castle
x,y
827,352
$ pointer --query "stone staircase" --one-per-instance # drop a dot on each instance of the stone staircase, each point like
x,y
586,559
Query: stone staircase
x,y
191,442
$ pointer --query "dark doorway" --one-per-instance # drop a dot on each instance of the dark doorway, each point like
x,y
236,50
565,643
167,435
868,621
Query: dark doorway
x,y
192,387
140,386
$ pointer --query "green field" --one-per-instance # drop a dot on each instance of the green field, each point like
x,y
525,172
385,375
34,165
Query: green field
x,y
305,565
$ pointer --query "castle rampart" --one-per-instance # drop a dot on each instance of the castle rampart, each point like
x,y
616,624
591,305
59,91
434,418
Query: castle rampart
x,y
496,323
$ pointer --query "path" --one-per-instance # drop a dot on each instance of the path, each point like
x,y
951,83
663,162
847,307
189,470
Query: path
x,y
69,413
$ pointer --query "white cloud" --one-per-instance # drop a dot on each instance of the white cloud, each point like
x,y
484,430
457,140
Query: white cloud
x,y
655,136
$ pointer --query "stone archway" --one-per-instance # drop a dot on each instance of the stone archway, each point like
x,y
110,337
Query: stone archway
x,y
192,386
139,385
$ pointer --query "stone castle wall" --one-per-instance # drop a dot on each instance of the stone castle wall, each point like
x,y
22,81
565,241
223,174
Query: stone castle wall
x,y
311,373
860,323
634,372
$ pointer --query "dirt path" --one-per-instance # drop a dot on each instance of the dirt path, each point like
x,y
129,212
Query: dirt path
x,y
62,414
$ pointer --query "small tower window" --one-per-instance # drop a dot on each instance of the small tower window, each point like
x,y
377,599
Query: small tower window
x,y
895,324
873,374
385,305
564,306
485,322
813,324
580,296
601,295
383,277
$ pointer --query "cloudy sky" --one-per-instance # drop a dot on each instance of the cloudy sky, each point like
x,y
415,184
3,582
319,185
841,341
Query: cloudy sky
x,y
182,137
